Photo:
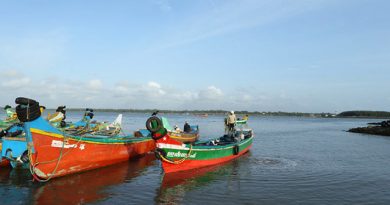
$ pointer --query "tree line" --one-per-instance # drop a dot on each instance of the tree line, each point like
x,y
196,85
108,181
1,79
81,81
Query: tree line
x,y
363,113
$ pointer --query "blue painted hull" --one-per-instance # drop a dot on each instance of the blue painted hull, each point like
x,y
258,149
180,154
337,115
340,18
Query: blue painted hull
x,y
13,149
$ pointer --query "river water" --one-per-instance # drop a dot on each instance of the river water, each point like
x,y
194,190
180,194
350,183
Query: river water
x,y
292,161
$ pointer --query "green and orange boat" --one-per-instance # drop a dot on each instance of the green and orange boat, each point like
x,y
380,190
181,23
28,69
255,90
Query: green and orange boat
x,y
54,153
178,156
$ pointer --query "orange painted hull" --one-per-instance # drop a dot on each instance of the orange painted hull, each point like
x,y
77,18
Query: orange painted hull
x,y
53,160
193,164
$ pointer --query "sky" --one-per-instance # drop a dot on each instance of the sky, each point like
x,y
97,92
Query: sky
x,y
254,55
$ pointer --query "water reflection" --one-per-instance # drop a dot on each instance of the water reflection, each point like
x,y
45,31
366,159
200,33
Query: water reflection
x,y
15,185
89,186
175,186
79,188
15,177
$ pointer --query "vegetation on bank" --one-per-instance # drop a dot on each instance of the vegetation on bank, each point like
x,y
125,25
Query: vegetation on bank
x,y
365,114
212,112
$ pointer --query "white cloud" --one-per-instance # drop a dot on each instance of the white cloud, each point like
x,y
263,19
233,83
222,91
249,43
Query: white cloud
x,y
10,73
154,85
13,79
52,92
153,89
121,89
16,83
211,93
95,84
247,98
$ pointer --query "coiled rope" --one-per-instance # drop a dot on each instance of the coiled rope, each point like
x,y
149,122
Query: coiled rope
x,y
177,161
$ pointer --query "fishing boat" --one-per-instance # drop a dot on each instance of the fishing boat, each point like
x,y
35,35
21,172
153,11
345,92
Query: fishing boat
x,y
175,133
185,137
181,135
53,153
4,125
7,122
15,152
177,156
241,122
12,132
15,145
3,161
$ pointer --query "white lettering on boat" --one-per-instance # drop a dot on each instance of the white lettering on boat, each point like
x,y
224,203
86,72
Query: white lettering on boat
x,y
59,144
171,146
180,154
82,146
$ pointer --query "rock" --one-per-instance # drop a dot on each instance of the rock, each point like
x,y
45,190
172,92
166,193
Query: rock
x,y
373,130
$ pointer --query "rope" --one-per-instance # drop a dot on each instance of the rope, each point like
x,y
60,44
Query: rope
x,y
102,130
29,147
62,153
32,166
178,161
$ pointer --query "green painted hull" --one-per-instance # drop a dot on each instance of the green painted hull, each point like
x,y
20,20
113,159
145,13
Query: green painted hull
x,y
206,152
181,157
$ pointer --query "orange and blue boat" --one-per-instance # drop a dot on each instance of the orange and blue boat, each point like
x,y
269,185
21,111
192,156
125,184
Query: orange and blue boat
x,y
178,156
54,153
14,145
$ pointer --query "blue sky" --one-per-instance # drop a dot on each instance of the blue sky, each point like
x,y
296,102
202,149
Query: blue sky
x,y
272,55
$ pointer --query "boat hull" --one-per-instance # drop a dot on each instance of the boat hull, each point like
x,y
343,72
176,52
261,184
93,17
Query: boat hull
x,y
4,162
53,158
195,164
199,156
13,149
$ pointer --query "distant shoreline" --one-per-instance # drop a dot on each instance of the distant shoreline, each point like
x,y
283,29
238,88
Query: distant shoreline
x,y
364,114
205,113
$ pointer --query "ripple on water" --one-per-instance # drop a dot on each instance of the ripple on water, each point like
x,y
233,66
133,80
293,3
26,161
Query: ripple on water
x,y
273,163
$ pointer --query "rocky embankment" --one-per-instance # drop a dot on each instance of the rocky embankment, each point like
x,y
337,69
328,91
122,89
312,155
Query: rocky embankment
x,y
381,128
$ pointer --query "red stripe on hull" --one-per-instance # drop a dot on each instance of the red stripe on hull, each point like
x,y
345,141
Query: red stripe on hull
x,y
193,164
80,156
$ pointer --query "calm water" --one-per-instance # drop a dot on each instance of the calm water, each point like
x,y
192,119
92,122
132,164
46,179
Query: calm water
x,y
292,161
